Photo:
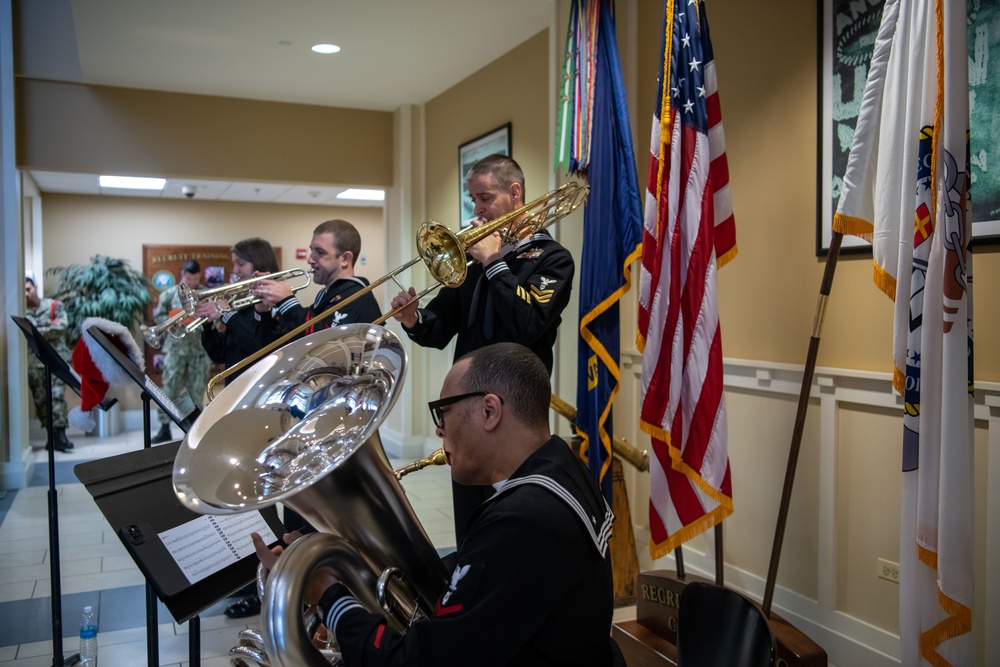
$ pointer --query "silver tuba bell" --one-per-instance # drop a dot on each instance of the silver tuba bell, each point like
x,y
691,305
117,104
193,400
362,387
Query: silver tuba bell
x,y
300,427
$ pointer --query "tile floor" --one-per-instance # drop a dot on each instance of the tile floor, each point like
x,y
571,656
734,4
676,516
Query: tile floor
x,y
96,570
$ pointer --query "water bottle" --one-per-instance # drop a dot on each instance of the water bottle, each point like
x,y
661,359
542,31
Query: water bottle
x,y
88,638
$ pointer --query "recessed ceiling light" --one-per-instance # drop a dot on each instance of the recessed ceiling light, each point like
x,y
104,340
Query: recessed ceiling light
x,y
132,182
325,48
357,193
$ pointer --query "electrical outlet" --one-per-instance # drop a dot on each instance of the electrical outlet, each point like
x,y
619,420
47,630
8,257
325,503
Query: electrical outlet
x,y
888,570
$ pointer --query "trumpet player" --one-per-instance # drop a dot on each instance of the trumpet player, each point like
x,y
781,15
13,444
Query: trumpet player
x,y
512,294
236,334
185,363
333,252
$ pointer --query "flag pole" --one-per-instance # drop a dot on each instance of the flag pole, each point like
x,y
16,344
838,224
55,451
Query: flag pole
x,y
800,420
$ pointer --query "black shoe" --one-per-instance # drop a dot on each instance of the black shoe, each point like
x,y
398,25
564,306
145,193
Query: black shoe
x,y
163,436
245,606
61,439
60,446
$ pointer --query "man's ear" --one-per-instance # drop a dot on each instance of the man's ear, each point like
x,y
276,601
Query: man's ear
x,y
347,256
517,194
492,411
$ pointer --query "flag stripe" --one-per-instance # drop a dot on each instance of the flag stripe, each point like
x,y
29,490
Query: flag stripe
x,y
688,224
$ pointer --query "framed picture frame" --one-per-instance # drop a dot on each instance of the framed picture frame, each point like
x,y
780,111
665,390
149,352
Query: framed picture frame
x,y
494,141
846,37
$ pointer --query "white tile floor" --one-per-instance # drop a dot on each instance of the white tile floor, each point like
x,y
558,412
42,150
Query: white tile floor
x,y
93,559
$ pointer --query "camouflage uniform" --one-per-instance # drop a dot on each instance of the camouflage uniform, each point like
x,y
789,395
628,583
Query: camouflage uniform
x,y
185,362
51,321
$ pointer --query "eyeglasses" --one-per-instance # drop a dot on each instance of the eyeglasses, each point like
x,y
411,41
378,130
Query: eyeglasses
x,y
437,414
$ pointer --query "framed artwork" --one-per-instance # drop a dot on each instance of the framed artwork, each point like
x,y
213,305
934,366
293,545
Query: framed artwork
x,y
494,141
847,36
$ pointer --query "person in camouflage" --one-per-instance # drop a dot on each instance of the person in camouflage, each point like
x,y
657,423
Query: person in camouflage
x,y
185,362
49,317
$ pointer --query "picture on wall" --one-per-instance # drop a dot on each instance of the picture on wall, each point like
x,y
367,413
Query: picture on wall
x,y
848,37
494,141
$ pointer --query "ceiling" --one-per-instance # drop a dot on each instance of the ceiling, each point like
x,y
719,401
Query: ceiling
x,y
394,52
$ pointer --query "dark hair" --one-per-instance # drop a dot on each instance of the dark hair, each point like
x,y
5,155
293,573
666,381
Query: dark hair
x,y
345,236
191,266
29,279
502,168
258,252
515,374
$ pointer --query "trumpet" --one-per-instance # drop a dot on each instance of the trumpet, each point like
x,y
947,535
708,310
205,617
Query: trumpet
x,y
234,296
443,253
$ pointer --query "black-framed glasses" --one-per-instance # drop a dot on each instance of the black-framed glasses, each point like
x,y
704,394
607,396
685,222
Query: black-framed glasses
x,y
437,414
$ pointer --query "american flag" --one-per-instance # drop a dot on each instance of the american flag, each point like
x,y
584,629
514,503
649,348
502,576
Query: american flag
x,y
689,232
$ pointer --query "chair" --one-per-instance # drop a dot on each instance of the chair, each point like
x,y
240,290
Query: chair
x,y
718,627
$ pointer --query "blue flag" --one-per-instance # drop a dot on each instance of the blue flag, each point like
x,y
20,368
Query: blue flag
x,y
612,236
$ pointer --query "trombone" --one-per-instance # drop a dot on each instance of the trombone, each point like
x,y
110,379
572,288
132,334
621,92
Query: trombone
x,y
443,253
234,296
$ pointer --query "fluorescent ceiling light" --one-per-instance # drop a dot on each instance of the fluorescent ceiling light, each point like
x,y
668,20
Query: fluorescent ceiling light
x,y
132,182
326,48
367,195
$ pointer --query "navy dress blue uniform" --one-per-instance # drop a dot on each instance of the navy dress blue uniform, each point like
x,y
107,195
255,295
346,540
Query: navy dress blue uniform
x,y
519,299
531,582
289,314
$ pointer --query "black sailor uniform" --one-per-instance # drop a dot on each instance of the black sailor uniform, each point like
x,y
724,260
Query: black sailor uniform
x,y
531,583
518,298
246,331
290,314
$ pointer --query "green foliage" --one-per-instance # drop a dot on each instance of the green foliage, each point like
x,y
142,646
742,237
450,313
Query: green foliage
x,y
107,287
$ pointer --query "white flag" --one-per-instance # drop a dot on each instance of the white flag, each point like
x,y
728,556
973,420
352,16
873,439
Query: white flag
x,y
906,189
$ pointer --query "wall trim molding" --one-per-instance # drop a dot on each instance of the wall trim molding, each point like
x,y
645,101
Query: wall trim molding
x,y
847,639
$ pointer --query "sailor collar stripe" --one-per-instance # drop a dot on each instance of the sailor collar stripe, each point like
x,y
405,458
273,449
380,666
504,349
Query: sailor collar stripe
x,y
600,535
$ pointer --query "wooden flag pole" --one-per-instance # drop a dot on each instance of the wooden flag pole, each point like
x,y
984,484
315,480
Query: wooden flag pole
x,y
800,420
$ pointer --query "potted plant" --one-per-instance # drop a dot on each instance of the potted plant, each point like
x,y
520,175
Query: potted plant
x,y
107,287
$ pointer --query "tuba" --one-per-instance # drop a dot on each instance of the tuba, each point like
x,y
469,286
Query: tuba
x,y
300,427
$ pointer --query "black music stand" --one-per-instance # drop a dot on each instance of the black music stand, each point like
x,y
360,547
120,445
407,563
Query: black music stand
x,y
135,493
54,365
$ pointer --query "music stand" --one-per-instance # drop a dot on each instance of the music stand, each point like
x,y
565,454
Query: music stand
x,y
135,493
54,365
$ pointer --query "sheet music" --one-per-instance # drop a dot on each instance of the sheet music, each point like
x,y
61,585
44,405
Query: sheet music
x,y
172,410
205,545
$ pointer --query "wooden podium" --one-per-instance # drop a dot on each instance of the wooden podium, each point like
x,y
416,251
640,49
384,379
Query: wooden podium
x,y
650,640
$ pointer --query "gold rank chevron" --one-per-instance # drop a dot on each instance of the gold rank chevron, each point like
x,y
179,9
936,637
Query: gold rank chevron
x,y
542,295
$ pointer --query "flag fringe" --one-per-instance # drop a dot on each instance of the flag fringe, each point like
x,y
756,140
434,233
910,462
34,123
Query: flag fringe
x,y
885,282
727,257
846,224
709,520
725,503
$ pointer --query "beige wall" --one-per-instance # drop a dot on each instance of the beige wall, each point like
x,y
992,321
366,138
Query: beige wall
x,y
77,227
100,129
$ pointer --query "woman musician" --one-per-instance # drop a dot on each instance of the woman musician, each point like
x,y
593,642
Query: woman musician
x,y
246,330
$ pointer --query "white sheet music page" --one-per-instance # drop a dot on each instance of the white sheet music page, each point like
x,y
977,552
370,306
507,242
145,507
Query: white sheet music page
x,y
172,411
205,545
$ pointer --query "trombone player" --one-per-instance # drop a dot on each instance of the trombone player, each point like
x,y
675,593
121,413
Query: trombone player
x,y
333,252
512,294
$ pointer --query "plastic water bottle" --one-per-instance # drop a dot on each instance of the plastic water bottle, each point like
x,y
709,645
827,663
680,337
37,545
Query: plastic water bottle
x,y
88,638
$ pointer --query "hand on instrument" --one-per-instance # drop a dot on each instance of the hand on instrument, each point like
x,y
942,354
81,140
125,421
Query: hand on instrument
x,y
408,315
271,292
209,310
318,583
487,250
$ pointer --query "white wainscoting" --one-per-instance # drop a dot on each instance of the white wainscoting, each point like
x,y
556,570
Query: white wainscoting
x,y
848,640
